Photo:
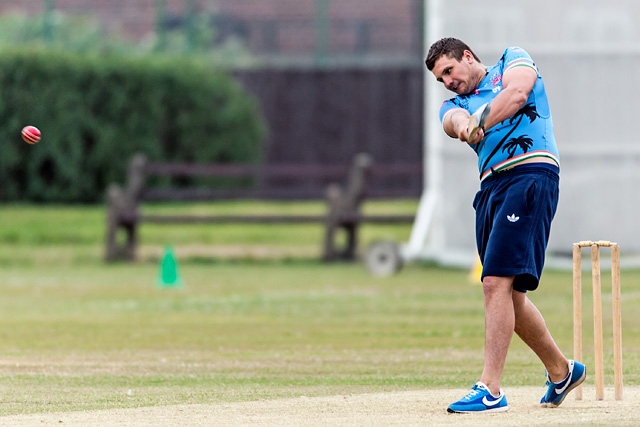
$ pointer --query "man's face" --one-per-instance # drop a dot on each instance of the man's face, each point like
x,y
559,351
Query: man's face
x,y
455,75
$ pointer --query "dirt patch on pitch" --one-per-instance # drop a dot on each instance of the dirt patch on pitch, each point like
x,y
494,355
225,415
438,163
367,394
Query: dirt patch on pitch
x,y
408,408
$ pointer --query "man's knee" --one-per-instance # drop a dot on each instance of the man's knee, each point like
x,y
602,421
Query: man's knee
x,y
492,285
497,281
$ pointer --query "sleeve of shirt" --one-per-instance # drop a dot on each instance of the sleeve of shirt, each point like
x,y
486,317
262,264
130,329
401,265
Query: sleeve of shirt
x,y
517,57
447,106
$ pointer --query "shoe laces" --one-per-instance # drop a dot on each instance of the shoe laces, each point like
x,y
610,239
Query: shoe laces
x,y
473,392
471,395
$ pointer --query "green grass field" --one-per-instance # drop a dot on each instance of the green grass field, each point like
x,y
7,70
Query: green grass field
x,y
79,334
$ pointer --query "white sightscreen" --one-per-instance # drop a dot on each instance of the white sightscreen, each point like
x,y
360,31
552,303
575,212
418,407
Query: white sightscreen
x,y
588,53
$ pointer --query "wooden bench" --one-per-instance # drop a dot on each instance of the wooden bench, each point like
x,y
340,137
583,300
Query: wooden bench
x,y
343,202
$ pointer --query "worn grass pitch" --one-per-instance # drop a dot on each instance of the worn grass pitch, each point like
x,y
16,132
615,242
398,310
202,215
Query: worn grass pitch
x,y
78,334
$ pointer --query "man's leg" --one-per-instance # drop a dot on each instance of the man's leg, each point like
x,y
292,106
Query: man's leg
x,y
499,326
532,329
563,375
485,395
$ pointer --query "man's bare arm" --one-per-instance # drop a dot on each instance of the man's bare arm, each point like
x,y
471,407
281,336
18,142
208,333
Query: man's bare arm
x,y
455,123
516,86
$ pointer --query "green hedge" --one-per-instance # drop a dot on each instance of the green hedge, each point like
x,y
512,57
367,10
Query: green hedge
x,y
95,113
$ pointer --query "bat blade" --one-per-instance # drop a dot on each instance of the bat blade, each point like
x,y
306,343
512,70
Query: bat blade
x,y
477,120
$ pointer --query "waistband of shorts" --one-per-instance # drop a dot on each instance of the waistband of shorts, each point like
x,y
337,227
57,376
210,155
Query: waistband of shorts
x,y
529,168
521,160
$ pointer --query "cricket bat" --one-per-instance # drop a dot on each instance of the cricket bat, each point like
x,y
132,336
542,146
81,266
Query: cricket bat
x,y
478,119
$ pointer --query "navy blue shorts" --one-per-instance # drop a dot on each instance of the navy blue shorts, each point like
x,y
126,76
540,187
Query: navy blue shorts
x,y
514,210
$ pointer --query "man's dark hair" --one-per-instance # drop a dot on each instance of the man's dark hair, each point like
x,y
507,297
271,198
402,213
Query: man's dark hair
x,y
449,46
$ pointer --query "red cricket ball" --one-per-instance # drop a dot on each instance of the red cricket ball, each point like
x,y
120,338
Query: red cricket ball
x,y
31,134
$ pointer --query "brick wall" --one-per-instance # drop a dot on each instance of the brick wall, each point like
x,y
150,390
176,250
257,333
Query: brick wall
x,y
266,26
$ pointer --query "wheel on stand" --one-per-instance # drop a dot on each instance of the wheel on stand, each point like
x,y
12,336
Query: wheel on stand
x,y
383,258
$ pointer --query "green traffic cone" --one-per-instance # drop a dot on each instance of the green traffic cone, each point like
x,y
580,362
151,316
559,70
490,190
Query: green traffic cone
x,y
169,275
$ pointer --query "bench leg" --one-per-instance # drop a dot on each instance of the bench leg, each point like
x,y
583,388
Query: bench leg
x,y
346,253
132,242
111,249
349,252
125,251
328,248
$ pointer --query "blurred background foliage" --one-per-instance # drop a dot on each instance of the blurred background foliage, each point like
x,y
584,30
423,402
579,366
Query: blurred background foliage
x,y
94,113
